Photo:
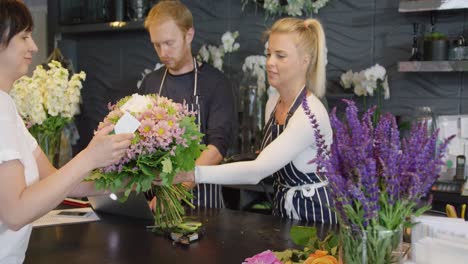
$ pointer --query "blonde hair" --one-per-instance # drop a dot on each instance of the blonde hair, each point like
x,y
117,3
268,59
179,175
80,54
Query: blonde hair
x,y
310,40
170,10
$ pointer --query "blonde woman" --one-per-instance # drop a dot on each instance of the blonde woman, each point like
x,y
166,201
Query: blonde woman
x,y
296,68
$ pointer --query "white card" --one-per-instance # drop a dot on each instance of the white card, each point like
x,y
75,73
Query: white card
x,y
126,124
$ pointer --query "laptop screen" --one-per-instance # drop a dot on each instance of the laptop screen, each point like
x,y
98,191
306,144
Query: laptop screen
x,y
136,206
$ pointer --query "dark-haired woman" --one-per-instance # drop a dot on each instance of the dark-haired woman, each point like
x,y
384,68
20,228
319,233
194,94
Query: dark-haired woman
x,y
29,185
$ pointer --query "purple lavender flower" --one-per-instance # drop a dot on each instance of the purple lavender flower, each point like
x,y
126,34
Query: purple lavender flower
x,y
369,168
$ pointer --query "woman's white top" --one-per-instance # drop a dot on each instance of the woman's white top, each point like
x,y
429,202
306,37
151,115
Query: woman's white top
x,y
296,144
16,143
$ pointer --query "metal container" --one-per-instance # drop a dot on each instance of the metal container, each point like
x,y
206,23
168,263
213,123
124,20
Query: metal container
x,y
436,50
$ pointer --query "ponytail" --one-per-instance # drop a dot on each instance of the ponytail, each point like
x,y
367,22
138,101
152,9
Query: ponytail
x,y
316,71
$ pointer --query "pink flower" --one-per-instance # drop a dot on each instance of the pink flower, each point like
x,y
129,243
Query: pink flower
x,y
266,257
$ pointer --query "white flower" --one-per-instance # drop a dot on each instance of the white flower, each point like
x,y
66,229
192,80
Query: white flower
x,y
48,93
346,79
228,39
369,85
204,53
360,90
386,89
256,66
367,81
215,54
375,72
137,104
294,7
272,7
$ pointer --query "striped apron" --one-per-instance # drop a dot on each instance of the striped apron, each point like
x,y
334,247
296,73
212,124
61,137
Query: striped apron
x,y
297,195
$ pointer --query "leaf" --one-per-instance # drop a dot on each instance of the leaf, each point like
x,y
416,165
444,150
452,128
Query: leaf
x,y
301,235
167,165
284,256
147,170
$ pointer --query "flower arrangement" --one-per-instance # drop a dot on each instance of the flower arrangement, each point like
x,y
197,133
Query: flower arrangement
x,y
166,142
291,7
48,101
365,82
316,251
255,65
376,179
215,54
252,102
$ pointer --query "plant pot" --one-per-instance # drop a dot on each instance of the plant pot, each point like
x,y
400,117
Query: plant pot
x,y
436,50
371,246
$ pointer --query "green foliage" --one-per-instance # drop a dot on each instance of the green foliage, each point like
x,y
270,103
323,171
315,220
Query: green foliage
x,y
306,237
435,36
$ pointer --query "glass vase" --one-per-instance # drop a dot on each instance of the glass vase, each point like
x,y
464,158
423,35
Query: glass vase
x,y
252,107
371,246
49,141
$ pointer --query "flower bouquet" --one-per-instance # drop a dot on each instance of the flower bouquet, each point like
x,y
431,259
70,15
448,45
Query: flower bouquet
x,y
376,180
47,101
166,142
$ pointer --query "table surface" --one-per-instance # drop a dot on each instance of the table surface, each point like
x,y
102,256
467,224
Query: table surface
x,y
230,236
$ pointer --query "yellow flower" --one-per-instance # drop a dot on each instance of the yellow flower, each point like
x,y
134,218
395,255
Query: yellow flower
x,y
320,257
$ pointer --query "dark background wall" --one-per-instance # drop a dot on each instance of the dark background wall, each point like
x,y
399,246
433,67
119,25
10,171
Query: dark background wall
x,y
359,33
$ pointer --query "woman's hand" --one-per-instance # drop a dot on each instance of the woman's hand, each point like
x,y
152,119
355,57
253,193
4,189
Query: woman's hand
x,y
179,178
105,149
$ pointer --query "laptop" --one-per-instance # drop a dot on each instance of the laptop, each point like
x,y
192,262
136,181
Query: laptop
x,y
136,206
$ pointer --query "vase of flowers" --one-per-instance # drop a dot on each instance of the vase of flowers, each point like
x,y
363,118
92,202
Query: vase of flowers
x,y
376,179
47,102
252,102
379,246
166,142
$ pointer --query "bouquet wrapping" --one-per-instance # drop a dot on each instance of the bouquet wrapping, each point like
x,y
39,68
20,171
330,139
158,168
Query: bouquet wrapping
x,y
166,142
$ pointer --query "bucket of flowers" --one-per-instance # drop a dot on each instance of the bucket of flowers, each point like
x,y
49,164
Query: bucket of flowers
x,y
166,142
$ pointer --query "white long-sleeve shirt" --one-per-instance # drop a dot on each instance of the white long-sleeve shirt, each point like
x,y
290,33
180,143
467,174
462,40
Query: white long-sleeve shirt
x,y
296,144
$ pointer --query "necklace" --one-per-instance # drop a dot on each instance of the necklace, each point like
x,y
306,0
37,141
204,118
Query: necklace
x,y
281,114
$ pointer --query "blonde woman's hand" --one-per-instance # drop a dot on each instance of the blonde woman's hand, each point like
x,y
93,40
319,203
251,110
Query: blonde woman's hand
x,y
105,149
179,178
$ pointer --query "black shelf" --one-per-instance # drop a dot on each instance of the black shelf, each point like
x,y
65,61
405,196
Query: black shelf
x,y
433,66
101,27
431,5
